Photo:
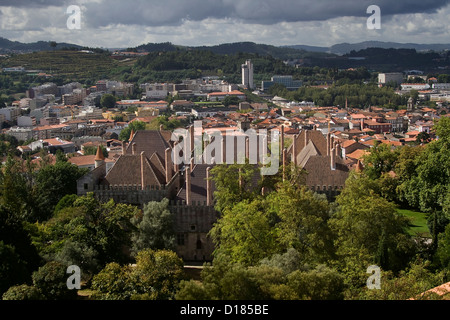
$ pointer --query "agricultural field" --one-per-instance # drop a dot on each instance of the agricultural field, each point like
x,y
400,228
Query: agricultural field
x,y
69,65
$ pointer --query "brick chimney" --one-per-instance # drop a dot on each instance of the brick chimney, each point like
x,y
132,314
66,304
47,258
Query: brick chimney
x,y
175,166
306,137
142,170
333,159
124,147
133,148
247,148
224,150
209,201
328,143
339,150
294,150
168,165
188,185
359,166
191,136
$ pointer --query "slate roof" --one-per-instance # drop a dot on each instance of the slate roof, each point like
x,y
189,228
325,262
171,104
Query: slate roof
x,y
314,159
149,141
127,171
198,185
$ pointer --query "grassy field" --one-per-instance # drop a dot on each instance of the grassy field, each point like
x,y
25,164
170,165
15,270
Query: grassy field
x,y
418,224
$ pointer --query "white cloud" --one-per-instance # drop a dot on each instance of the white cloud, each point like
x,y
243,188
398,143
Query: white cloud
x,y
49,23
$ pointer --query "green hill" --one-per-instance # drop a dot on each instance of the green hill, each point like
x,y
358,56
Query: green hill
x,y
69,65
283,53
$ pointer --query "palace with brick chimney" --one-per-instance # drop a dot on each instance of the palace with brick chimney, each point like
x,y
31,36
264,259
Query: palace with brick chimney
x,y
145,171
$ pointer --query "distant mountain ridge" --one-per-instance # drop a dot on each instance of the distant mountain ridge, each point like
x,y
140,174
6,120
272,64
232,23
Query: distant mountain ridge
x,y
280,52
7,46
344,48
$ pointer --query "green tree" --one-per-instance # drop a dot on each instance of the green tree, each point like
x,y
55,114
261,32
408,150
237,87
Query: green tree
x,y
114,282
18,256
233,184
428,188
108,101
302,221
51,281
155,228
411,283
381,159
320,283
156,276
231,101
89,234
364,220
442,256
23,292
52,182
13,270
246,233
135,126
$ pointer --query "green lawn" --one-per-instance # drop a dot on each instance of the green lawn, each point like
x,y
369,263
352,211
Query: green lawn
x,y
418,224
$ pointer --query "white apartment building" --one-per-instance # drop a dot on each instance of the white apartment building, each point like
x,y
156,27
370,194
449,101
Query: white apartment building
x,y
247,75
384,78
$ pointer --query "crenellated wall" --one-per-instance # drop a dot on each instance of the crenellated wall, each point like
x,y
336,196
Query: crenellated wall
x,y
192,225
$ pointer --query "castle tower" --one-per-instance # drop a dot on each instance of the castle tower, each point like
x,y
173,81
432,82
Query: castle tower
x,y
99,157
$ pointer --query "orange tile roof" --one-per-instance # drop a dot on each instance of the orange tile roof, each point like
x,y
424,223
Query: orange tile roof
x,y
235,92
357,154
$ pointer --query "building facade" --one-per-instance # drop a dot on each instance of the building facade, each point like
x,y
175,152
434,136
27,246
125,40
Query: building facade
x,y
247,74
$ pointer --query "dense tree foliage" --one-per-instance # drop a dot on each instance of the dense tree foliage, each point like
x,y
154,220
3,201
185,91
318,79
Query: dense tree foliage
x,y
156,276
154,228
354,95
88,233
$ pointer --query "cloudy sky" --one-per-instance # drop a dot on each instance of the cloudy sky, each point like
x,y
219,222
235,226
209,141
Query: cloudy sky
x,y
121,23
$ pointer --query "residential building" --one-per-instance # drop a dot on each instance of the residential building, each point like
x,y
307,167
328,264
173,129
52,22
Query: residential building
x,y
203,112
88,162
393,77
26,121
21,134
415,86
10,113
220,96
247,74
156,90
46,88
286,81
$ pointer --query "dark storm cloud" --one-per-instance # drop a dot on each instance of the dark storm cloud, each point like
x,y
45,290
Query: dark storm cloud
x,y
173,12
31,4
